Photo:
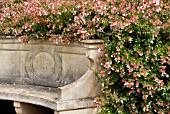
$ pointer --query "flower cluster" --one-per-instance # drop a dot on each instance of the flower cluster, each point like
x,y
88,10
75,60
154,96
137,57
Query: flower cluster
x,y
135,58
59,21
136,54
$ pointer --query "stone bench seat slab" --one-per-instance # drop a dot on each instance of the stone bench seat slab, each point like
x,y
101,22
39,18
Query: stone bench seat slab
x,y
43,96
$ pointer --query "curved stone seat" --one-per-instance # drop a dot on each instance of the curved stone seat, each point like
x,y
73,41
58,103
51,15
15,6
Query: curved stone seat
x,y
42,96
59,77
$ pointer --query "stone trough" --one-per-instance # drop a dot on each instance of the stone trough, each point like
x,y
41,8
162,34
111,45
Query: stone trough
x,y
59,77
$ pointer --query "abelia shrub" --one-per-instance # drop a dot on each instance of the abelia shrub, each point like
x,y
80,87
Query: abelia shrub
x,y
135,59
136,51
39,19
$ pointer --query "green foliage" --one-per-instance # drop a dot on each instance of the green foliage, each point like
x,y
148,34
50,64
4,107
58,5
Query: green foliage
x,y
136,61
136,53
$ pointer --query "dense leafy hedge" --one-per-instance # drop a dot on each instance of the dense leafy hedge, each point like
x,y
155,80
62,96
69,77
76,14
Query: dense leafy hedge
x,y
136,53
136,59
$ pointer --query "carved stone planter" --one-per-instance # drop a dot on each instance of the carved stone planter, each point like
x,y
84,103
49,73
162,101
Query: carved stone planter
x,y
60,77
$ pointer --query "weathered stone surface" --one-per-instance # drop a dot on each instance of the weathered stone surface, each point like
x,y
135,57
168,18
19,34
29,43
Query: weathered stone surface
x,y
82,88
44,67
43,96
60,77
10,68
80,111
44,64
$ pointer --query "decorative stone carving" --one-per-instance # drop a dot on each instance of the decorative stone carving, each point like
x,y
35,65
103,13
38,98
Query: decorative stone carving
x,y
43,66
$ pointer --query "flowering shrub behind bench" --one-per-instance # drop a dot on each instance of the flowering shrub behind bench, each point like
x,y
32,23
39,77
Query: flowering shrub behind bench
x,y
136,59
136,53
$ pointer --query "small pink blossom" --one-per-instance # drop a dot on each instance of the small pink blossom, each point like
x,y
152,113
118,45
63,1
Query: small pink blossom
x,y
6,31
145,97
102,73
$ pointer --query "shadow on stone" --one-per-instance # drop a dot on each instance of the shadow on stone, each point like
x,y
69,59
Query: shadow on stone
x,y
6,107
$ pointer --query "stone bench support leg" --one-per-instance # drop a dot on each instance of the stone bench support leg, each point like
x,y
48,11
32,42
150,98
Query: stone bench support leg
x,y
18,108
80,111
25,108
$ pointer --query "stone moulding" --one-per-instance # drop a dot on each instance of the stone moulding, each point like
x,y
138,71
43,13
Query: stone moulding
x,y
82,88
60,77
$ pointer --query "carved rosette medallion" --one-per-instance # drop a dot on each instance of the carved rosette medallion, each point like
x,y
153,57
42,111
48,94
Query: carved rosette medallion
x,y
43,66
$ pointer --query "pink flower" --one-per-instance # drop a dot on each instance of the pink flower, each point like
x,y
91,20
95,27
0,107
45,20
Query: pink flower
x,y
6,31
118,48
137,84
108,64
157,22
132,9
117,58
112,24
128,84
145,97
144,73
118,35
114,9
102,73
100,49
134,19
26,26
